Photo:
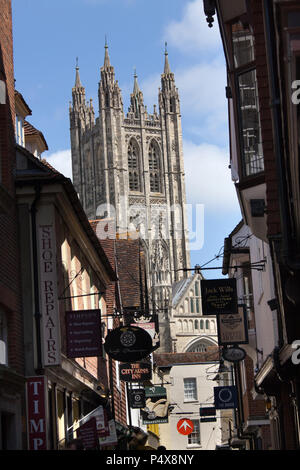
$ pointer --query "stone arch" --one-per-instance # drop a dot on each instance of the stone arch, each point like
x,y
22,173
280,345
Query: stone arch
x,y
200,344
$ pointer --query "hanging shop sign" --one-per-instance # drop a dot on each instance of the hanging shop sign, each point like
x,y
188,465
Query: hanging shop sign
x,y
232,328
135,372
128,344
234,354
207,411
101,418
87,432
36,389
149,324
219,296
111,439
185,426
137,398
225,397
83,328
208,420
157,406
50,328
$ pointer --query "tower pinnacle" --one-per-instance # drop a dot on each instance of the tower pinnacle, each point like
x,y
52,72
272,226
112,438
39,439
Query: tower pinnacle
x,y
77,79
136,88
167,66
106,56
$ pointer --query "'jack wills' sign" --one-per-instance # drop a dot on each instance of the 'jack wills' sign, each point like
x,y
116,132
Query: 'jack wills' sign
x,y
48,287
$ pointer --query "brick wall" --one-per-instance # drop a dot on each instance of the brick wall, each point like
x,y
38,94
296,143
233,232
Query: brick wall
x,y
10,290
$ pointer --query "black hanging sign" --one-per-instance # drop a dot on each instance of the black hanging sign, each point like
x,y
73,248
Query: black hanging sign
x,y
234,354
207,411
128,344
137,398
219,296
135,372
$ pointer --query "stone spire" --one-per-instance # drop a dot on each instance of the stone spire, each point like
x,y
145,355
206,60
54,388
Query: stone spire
x,y
106,56
136,89
136,98
167,66
77,78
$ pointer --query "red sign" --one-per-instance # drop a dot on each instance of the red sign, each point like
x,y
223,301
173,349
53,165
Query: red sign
x,y
88,434
84,333
36,413
185,426
135,372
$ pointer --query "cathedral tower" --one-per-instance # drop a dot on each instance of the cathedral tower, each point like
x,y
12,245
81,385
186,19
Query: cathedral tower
x,y
129,167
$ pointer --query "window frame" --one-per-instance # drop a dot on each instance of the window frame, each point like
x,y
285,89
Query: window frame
x,y
233,73
155,172
192,435
194,390
134,171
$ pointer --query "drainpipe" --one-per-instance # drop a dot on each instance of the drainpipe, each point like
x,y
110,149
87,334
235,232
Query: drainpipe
x,y
37,314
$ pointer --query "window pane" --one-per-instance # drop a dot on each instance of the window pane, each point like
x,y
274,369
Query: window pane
x,y
194,437
243,44
250,122
294,19
190,389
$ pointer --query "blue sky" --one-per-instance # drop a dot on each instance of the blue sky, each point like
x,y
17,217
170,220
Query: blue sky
x,y
50,34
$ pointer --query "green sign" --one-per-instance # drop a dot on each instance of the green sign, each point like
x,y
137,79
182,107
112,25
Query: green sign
x,y
157,406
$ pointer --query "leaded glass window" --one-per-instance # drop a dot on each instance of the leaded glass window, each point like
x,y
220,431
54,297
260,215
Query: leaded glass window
x,y
154,168
133,167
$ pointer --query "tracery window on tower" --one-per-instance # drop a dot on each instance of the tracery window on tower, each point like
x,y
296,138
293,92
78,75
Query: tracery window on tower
x,y
154,168
133,167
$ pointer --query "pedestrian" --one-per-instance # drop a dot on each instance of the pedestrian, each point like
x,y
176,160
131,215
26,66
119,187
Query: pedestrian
x,y
75,444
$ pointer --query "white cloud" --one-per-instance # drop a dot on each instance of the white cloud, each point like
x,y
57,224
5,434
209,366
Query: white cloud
x,y
202,87
208,178
191,34
61,161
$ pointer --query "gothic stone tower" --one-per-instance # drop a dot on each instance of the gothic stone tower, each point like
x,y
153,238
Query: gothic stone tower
x,y
129,168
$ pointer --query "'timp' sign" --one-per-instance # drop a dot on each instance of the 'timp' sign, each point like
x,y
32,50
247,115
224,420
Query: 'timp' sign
x,y
36,413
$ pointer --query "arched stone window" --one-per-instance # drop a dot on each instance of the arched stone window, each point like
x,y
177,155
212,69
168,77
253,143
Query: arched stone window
x,y
201,324
207,324
154,168
201,345
134,166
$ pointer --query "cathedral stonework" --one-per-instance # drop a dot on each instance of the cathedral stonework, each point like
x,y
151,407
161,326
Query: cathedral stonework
x,y
129,168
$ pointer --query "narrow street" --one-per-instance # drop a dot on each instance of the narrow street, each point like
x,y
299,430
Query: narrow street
x,y
149,229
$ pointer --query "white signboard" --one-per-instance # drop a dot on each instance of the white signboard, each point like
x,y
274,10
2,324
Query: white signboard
x,y
48,286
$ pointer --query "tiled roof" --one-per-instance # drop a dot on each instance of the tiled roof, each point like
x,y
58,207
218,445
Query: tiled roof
x,y
30,130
